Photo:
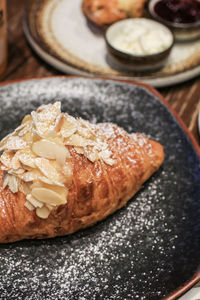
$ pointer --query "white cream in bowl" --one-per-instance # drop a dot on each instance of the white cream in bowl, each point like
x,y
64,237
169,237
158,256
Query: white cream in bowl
x,y
139,36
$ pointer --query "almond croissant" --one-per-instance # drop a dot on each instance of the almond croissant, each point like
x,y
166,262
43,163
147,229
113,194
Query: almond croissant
x,y
60,174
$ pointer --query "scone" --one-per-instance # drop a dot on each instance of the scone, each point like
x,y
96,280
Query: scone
x,y
106,12
60,174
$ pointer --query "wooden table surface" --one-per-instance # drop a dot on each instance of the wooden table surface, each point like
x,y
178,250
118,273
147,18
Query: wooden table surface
x,y
24,63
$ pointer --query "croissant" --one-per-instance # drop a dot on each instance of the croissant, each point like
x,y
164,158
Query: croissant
x,y
60,174
106,12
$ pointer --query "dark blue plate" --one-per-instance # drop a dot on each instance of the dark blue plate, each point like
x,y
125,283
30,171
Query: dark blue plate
x,y
144,251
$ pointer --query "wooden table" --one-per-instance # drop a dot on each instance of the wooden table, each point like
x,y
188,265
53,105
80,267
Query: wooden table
x,y
24,63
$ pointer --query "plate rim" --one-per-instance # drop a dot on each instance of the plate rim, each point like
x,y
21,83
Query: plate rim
x,y
196,277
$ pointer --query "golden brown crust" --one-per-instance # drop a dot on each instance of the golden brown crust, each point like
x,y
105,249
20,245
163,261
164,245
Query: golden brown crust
x,y
97,189
104,12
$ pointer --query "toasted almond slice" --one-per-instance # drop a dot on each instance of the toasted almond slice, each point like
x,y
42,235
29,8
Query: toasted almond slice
x,y
76,140
13,184
25,130
51,134
12,134
50,182
27,158
37,184
14,143
5,181
33,201
26,126
24,187
84,132
69,127
28,137
92,155
26,119
28,205
58,123
68,173
6,158
15,163
79,150
31,175
62,191
18,172
43,212
51,150
64,154
109,161
48,196
105,154
5,139
50,207
47,169
44,118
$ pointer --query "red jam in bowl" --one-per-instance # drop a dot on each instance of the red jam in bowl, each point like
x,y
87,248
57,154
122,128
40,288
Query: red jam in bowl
x,y
178,11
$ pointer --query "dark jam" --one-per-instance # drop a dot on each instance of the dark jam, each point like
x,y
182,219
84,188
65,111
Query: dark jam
x,y
178,11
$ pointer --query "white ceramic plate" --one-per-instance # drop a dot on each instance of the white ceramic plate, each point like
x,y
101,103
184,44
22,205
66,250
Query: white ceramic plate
x,y
59,32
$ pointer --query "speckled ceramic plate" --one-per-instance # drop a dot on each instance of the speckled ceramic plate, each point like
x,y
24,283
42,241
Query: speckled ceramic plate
x,y
145,250
59,32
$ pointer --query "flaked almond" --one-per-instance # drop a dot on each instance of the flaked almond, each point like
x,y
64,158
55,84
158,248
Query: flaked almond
x,y
31,175
17,172
14,143
34,201
28,137
68,128
50,207
24,130
45,117
5,139
58,123
105,154
26,119
15,163
109,161
79,150
37,184
27,157
50,182
62,191
6,181
76,140
68,173
43,212
51,134
13,184
12,134
48,196
24,187
84,132
51,150
47,169
91,155
28,205
6,159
